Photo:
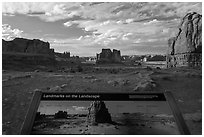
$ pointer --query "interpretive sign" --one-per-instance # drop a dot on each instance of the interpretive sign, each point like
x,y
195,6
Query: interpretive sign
x,y
104,113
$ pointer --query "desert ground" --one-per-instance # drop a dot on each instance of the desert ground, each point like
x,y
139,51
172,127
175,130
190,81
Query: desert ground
x,y
18,88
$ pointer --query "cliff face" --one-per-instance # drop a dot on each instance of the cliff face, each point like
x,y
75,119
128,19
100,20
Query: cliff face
x,y
21,45
107,56
21,53
185,48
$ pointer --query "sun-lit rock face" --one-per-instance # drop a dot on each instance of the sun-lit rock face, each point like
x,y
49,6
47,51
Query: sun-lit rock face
x,y
185,49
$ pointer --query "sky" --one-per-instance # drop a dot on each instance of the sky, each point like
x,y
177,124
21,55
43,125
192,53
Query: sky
x,y
84,28
71,107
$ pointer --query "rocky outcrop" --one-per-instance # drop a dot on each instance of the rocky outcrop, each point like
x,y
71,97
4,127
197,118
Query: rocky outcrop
x,y
116,56
21,45
98,113
65,55
107,56
24,53
60,114
185,49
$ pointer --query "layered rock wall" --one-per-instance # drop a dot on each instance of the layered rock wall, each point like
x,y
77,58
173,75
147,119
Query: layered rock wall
x,y
24,52
20,45
185,49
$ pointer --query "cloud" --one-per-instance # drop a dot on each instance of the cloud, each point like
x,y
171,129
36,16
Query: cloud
x,y
25,7
151,22
68,24
46,11
8,33
114,24
102,11
77,108
125,36
59,12
110,30
129,20
112,21
111,34
80,38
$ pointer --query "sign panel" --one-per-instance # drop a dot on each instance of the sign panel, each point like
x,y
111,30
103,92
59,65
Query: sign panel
x,y
104,113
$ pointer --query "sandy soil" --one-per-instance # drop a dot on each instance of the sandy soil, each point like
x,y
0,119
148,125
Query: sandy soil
x,y
133,124
18,88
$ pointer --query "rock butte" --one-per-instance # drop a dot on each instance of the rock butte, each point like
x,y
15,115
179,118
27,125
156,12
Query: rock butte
x,y
21,45
22,51
107,56
185,49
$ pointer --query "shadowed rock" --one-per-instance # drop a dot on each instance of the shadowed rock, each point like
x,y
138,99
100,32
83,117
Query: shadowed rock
x,y
98,113
107,56
60,114
21,45
26,53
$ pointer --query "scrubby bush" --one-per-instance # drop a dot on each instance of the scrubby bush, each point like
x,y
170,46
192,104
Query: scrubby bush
x,y
72,70
79,68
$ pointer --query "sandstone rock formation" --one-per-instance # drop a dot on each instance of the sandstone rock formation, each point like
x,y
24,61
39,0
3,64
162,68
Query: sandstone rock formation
x,y
98,113
185,49
60,114
65,55
24,53
116,56
21,45
107,56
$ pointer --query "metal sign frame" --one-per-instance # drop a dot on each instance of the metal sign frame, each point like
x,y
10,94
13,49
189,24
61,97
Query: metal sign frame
x,y
166,96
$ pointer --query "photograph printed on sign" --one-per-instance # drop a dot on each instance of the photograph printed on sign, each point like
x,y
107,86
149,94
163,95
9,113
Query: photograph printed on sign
x,y
104,117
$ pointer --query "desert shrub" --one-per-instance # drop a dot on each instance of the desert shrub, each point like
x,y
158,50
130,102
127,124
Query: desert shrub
x,y
50,70
148,68
114,71
80,69
72,70
168,78
158,68
139,64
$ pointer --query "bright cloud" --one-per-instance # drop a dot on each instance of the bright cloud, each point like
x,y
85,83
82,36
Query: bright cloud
x,y
67,24
78,108
102,11
118,25
9,33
